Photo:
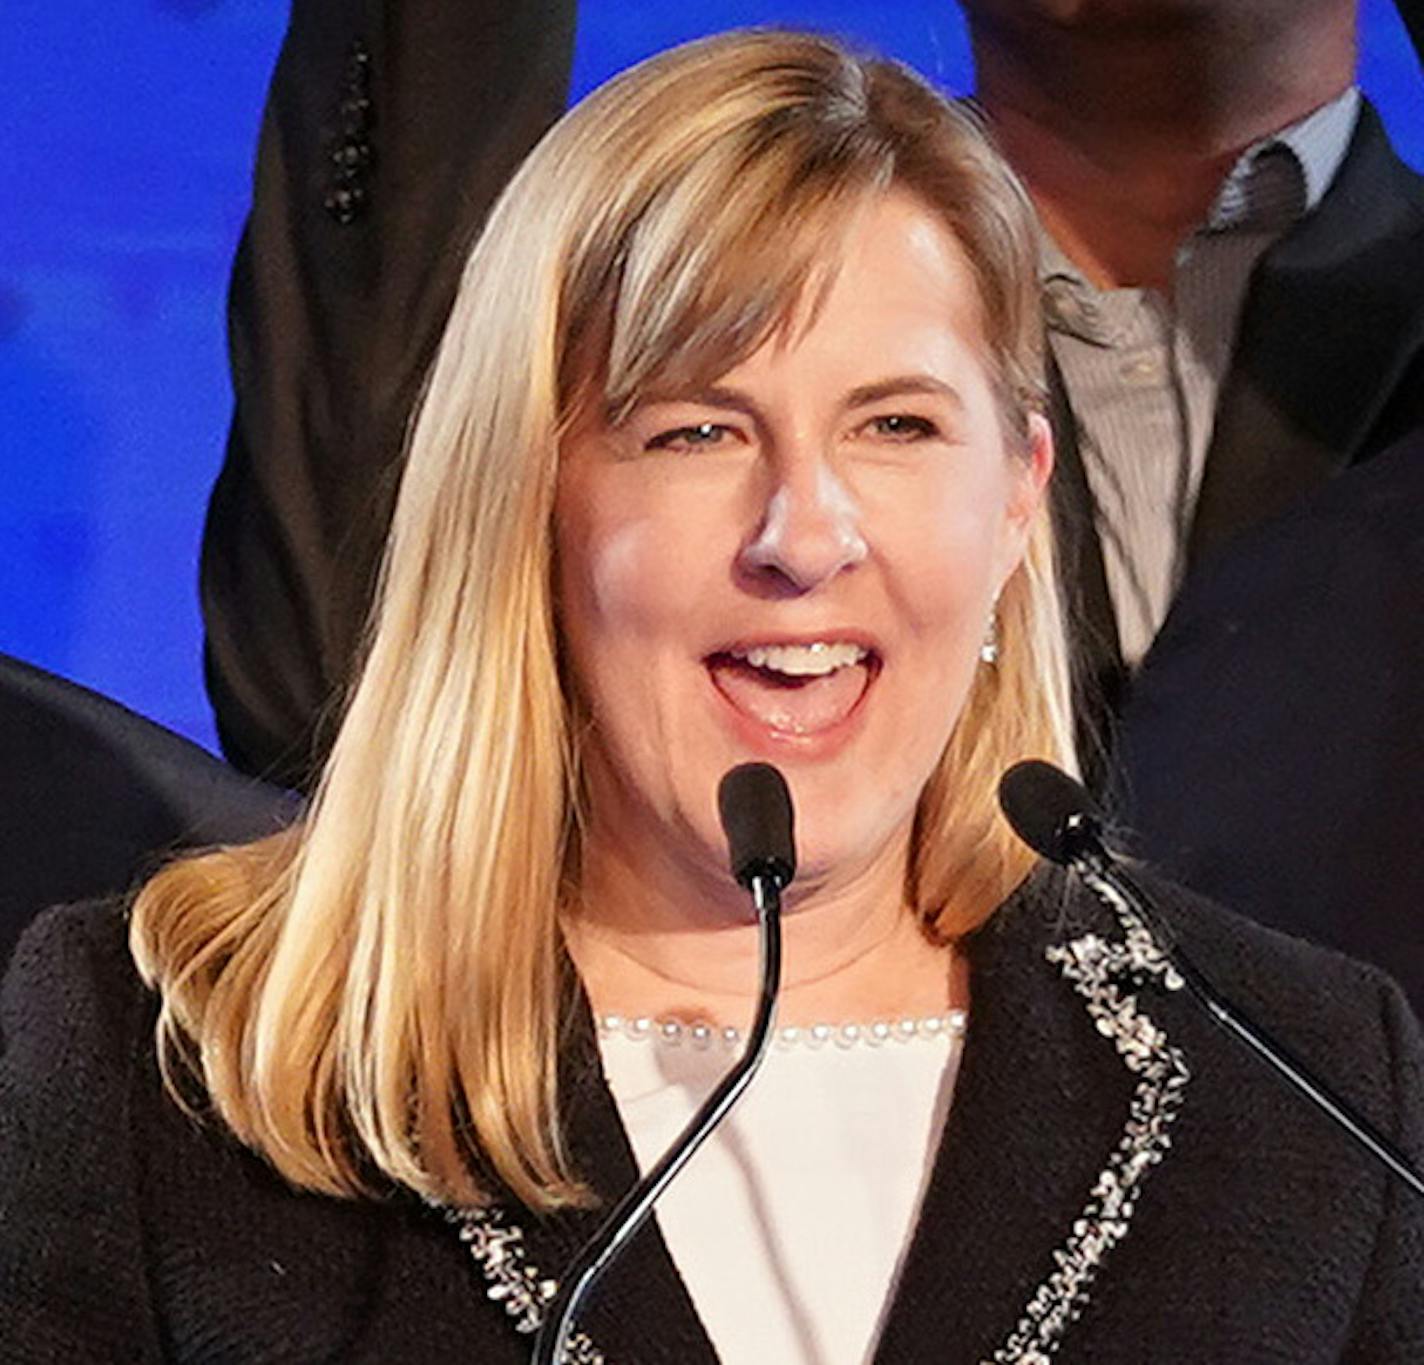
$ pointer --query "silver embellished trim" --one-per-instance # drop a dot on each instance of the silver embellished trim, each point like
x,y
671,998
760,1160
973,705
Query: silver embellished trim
x,y
1098,971
497,1247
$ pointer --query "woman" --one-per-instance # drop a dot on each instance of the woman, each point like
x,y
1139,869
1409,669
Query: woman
x,y
731,451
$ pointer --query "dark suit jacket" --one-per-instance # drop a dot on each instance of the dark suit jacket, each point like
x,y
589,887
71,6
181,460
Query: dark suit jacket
x,y
93,797
389,130
1270,750
1260,1235
1327,371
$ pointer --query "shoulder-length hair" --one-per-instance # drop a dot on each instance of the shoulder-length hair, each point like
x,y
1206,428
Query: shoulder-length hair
x,y
375,995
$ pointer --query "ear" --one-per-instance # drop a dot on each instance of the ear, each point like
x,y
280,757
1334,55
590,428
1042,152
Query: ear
x,y
1028,488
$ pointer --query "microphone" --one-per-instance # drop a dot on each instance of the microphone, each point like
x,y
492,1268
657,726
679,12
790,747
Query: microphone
x,y
1050,812
755,809
1054,815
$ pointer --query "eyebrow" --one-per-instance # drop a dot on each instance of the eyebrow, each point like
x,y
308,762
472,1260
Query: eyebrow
x,y
713,396
903,384
719,396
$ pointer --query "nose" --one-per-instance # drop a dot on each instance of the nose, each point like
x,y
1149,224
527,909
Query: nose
x,y
809,532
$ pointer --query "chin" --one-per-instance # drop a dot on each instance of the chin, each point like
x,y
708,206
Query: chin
x,y
845,826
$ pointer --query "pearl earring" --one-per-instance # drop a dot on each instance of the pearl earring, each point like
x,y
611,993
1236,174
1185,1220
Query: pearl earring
x,y
989,650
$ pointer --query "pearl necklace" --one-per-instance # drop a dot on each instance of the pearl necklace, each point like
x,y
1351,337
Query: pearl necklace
x,y
675,1033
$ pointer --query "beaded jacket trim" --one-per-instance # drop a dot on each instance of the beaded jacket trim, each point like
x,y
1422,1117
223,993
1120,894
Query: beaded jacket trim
x,y
1107,975
497,1246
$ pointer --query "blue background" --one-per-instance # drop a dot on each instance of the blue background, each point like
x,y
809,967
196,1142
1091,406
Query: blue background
x,y
127,134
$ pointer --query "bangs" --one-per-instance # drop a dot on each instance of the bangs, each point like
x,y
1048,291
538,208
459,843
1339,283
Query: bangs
x,y
740,249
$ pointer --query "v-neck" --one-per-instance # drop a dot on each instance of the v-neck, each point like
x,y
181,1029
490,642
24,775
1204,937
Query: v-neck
x,y
1040,1105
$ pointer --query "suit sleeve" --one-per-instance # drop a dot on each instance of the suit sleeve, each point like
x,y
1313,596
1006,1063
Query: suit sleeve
x,y
72,1278
390,128
1389,1323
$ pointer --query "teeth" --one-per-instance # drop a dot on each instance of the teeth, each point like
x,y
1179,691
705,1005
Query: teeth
x,y
803,661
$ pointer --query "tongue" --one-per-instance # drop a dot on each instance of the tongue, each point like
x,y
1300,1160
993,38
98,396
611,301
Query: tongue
x,y
798,706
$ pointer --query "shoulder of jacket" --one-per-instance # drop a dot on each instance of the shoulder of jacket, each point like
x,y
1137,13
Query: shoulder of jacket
x,y
1262,968
72,976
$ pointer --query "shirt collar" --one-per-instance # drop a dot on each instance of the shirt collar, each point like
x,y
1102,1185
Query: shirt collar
x,y
1274,181
1285,175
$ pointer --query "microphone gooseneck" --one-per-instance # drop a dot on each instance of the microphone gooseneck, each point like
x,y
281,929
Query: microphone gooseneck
x,y
755,809
1054,815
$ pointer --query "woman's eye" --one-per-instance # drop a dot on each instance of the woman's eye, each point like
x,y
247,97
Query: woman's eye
x,y
702,436
902,427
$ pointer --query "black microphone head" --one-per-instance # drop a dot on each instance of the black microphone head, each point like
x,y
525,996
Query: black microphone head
x,y
755,807
1050,811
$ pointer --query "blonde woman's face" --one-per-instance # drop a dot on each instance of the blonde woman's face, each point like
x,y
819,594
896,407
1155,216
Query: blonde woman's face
x,y
798,563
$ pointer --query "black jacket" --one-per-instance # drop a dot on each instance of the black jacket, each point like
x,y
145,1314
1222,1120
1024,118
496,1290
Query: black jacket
x,y
389,130
1259,1236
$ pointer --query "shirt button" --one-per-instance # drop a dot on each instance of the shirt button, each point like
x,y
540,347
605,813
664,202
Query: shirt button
x,y
1145,369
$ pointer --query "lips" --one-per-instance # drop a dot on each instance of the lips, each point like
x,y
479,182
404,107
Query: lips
x,y
790,703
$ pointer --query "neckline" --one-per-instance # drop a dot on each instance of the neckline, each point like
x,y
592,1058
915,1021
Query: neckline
x,y
703,1037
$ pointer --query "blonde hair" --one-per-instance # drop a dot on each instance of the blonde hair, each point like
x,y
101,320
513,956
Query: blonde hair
x,y
375,996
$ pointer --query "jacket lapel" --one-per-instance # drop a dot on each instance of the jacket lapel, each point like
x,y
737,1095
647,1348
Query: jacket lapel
x,y
1041,1110
1345,289
640,1309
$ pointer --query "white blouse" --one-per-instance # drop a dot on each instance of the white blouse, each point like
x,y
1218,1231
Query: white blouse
x,y
789,1224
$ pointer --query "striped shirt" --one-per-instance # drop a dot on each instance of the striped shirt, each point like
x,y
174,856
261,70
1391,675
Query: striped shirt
x,y
1143,371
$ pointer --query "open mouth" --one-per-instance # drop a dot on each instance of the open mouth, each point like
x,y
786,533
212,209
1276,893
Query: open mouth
x,y
795,689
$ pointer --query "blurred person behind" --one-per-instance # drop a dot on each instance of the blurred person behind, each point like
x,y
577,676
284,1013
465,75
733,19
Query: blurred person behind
x,y
1233,276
